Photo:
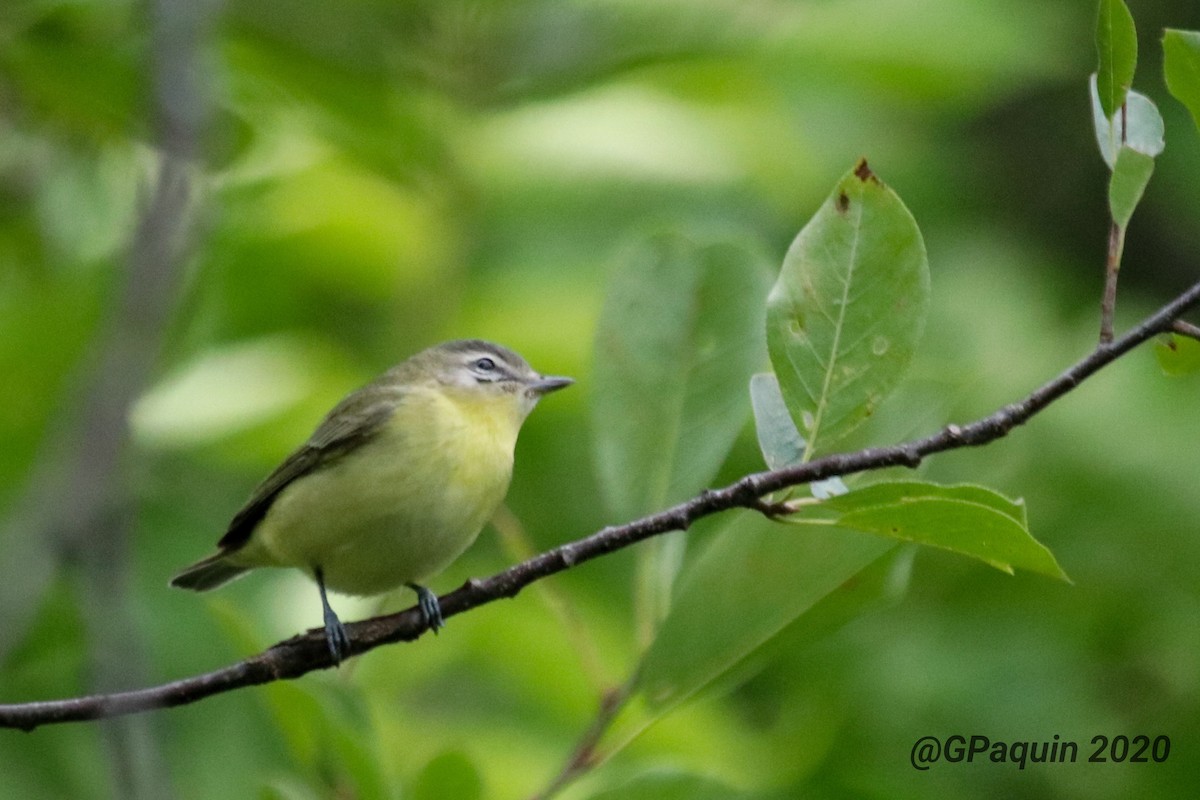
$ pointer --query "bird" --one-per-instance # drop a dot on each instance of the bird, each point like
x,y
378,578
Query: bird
x,y
393,485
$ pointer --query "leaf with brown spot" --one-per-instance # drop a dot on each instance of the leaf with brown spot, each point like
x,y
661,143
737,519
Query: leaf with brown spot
x,y
845,315
863,171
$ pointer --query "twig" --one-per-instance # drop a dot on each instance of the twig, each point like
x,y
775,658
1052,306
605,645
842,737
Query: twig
x,y
584,756
1112,269
1112,261
1186,329
307,652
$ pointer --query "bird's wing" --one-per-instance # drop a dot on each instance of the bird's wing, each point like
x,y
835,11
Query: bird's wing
x,y
352,423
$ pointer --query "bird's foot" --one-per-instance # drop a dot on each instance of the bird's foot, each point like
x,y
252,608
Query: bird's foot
x,y
336,637
431,609
335,633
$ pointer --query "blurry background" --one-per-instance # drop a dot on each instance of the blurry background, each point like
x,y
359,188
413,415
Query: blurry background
x,y
368,178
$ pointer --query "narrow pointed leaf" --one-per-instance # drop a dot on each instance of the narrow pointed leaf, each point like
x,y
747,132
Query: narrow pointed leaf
x,y
970,520
1181,63
679,337
1130,175
754,579
845,315
1116,42
880,584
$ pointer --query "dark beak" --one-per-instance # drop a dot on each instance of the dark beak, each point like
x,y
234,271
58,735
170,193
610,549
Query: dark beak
x,y
549,383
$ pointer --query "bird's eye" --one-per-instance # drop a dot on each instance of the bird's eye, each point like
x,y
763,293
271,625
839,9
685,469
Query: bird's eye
x,y
485,365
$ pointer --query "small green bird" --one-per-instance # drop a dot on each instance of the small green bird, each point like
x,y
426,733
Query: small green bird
x,y
394,484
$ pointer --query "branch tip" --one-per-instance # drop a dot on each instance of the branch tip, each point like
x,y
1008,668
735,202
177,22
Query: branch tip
x,y
1184,328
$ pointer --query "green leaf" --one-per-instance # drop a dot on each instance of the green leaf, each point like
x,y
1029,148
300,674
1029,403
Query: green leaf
x,y
679,336
1140,122
845,315
669,786
449,774
971,520
1130,175
1181,64
1116,41
781,444
830,487
754,579
1178,355
880,584
322,727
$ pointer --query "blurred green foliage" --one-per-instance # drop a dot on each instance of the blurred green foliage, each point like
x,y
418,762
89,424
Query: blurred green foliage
x,y
378,176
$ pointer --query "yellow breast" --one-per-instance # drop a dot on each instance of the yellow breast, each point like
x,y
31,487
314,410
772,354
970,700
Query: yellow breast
x,y
405,504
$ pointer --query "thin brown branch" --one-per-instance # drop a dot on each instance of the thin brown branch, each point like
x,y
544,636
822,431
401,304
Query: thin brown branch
x,y
1112,269
1186,329
308,652
584,756
1112,261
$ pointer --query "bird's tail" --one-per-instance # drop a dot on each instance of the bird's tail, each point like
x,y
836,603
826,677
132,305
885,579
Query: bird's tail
x,y
208,573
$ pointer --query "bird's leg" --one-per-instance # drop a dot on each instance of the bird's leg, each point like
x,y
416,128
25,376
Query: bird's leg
x,y
431,610
335,633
